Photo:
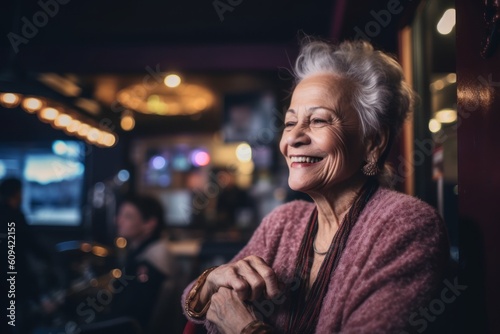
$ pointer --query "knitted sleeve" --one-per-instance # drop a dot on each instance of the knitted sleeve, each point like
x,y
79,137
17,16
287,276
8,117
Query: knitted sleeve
x,y
401,273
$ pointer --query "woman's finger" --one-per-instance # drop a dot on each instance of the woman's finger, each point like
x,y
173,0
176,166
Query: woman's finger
x,y
227,276
228,312
267,274
250,278
256,283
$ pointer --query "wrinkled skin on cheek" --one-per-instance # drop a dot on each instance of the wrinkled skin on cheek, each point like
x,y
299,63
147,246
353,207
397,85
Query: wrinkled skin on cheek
x,y
335,162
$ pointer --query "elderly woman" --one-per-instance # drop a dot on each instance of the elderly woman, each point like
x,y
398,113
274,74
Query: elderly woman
x,y
362,258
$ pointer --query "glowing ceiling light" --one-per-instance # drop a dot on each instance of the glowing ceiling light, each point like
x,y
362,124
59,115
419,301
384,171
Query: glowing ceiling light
x,y
109,139
94,135
102,138
434,125
9,100
447,22
127,121
73,126
172,80
83,129
32,104
438,84
199,104
63,121
121,242
451,78
49,114
446,116
244,152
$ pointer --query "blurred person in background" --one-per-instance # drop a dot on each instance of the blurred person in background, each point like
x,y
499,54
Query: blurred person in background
x,y
30,295
149,269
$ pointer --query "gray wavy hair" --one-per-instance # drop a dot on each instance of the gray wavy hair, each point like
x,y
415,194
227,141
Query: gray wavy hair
x,y
381,96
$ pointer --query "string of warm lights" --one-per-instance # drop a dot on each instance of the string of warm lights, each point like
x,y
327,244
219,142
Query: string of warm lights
x,y
70,123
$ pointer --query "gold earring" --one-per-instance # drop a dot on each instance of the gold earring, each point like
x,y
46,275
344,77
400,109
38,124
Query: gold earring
x,y
370,169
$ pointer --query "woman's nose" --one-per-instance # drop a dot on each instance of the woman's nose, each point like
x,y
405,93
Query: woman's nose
x,y
297,136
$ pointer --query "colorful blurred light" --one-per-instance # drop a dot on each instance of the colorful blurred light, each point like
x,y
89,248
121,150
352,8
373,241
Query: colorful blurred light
x,y
73,126
9,100
123,175
127,121
109,139
49,114
94,135
445,116
447,22
244,152
434,125
63,121
451,78
116,273
200,158
83,129
32,104
121,242
158,162
172,80
59,147
99,251
180,162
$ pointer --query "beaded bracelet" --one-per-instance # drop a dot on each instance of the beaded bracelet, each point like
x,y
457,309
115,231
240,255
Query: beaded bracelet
x,y
193,294
257,327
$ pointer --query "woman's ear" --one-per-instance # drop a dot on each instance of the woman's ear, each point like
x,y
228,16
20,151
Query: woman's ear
x,y
377,145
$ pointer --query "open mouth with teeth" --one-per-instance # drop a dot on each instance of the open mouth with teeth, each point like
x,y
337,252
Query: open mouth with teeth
x,y
304,159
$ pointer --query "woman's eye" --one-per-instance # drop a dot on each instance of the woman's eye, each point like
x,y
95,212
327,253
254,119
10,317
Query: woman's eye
x,y
289,124
318,121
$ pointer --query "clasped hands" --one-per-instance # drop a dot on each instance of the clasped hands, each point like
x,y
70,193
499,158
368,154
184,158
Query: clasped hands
x,y
230,287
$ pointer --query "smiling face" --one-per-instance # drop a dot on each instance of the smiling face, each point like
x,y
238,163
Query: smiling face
x,y
322,140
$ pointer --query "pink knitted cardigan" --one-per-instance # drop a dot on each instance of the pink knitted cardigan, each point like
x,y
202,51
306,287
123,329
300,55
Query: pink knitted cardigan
x,y
393,262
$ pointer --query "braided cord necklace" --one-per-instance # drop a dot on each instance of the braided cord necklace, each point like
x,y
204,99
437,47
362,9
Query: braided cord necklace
x,y
304,312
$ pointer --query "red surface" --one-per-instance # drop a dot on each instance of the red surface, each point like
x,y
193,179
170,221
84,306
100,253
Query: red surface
x,y
479,144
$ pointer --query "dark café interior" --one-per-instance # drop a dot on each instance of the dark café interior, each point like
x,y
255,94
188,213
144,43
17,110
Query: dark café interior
x,y
140,145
